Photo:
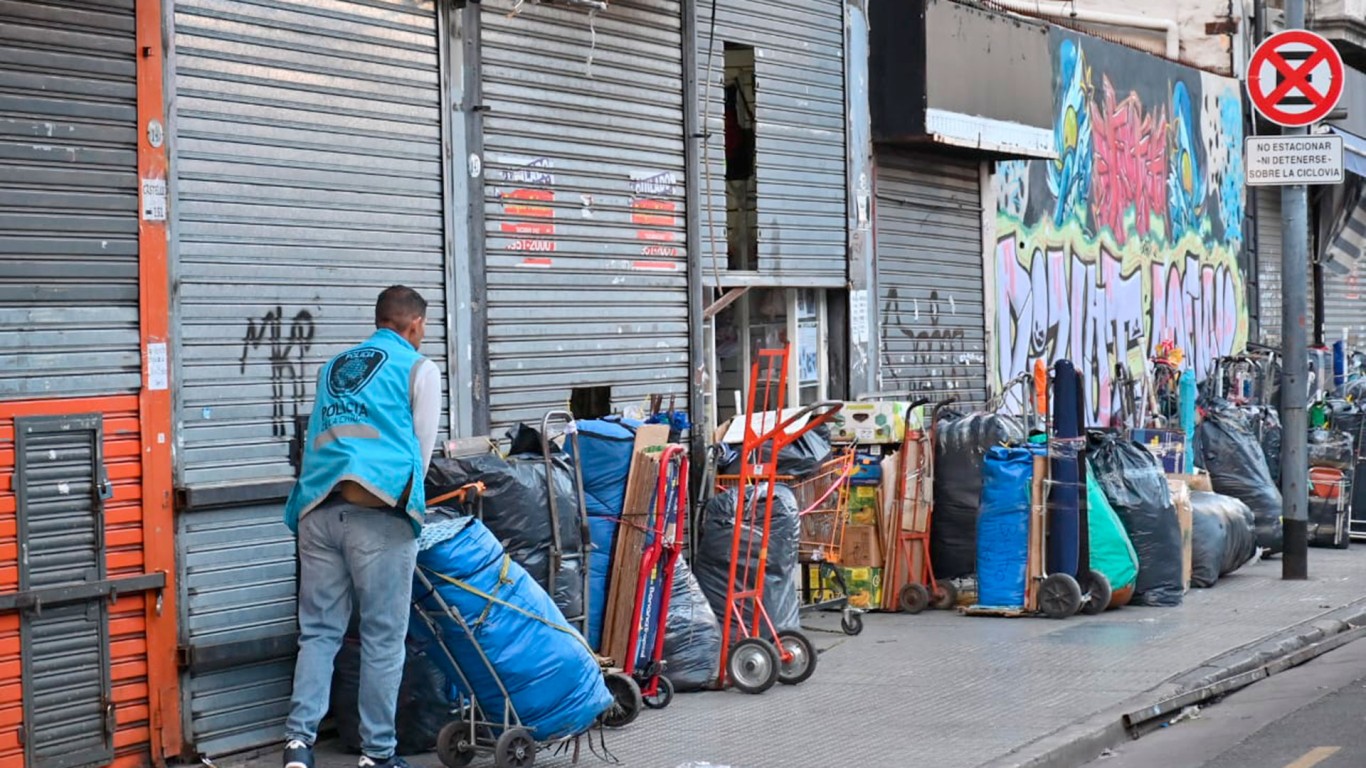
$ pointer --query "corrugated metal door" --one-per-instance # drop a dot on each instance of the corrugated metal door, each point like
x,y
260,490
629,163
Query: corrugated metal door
x,y
59,484
1269,264
928,222
1344,273
308,152
584,174
799,108
68,199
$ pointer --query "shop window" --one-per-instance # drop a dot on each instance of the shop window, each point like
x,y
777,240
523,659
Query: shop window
x,y
742,192
768,318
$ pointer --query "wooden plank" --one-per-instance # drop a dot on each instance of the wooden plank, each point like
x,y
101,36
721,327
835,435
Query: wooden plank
x,y
625,572
1036,565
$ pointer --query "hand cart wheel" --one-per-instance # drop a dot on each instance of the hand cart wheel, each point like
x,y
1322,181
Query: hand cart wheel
x,y
1059,596
801,661
753,665
852,622
913,598
455,744
664,694
626,700
1098,593
945,596
515,749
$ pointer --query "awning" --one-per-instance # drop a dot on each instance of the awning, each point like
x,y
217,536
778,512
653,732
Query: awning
x,y
1354,154
1348,244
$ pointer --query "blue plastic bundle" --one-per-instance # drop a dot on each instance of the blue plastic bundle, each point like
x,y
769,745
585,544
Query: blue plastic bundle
x,y
1003,527
607,446
551,675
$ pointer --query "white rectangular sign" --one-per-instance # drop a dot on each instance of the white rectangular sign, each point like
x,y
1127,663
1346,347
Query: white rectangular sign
x,y
1284,160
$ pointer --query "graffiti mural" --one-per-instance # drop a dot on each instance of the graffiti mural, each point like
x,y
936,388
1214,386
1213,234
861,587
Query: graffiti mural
x,y
1131,236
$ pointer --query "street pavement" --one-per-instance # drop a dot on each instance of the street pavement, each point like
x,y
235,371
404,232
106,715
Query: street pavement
x,y
941,690
1306,717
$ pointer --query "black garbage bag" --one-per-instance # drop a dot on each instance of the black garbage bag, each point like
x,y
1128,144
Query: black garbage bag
x,y
423,701
1209,539
1331,448
1352,421
1136,487
711,564
692,634
1237,522
800,458
516,510
1237,467
961,445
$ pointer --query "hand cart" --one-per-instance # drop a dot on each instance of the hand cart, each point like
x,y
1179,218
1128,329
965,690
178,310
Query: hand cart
x,y
758,660
460,741
915,588
664,543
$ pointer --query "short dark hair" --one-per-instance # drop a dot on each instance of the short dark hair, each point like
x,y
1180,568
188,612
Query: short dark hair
x,y
398,306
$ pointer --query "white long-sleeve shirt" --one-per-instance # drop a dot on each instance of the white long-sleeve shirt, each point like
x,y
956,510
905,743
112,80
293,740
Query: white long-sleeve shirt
x,y
424,392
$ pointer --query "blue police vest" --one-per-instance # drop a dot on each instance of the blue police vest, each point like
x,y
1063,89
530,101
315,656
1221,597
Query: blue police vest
x,y
362,430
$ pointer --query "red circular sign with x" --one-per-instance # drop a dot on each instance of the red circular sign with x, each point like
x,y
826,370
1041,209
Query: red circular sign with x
x,y
1295,78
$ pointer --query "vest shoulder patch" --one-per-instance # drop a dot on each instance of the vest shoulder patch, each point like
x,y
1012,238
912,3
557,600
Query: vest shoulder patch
x,y
353,370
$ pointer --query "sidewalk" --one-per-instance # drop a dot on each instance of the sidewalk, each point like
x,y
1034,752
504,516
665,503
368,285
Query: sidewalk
x,y
946,691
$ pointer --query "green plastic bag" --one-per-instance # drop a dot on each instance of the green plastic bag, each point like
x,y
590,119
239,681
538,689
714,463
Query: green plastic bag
x,y
1111,552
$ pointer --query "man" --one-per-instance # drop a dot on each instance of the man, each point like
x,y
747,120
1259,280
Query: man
x,y
357,509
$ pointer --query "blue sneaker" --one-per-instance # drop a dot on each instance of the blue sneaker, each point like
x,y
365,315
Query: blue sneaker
x,y
298,754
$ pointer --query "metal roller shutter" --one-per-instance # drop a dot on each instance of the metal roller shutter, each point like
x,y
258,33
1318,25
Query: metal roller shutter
x,y
68,199
59,483
308,152
928,223
1269,264
1343,278
584,176
799,139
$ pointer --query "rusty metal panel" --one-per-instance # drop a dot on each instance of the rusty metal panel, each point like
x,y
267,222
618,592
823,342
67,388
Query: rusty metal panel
x,y
583,178
932,313
308,158
800,132
68,199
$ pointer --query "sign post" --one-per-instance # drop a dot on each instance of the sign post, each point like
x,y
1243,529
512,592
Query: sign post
x,y
1294,79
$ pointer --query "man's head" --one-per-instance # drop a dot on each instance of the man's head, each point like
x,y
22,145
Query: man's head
x,y
403,311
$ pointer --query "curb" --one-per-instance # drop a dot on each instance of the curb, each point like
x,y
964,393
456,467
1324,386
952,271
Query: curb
x,y
1083,741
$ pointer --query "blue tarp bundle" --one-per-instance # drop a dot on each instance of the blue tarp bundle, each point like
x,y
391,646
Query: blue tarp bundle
x,y
1003,527
606,445
551,675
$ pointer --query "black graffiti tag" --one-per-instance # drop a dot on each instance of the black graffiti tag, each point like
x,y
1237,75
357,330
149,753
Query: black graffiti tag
x,y
933,348
287,352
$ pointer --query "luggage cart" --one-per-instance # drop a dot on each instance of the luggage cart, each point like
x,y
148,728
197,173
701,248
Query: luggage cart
x,y
654,590
763,656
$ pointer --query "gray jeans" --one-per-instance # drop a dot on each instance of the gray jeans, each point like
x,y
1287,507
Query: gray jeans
x,y
347,551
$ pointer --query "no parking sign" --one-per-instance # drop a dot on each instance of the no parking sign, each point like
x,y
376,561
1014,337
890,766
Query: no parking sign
x,y
1295,78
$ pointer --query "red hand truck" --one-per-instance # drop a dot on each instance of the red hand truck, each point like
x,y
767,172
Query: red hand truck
x,y
763,655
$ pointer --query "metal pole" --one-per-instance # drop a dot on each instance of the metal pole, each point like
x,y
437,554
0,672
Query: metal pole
x,y
1295,365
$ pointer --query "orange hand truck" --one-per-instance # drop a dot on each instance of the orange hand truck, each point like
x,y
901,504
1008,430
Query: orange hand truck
x,y
910,583
763,656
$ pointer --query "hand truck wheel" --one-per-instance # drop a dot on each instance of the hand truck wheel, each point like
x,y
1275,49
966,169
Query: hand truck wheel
x,y
851,622
663,696
913,598
455,744
515,749
801,661
1098,594
945,596
626,700
1059,596
753,665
